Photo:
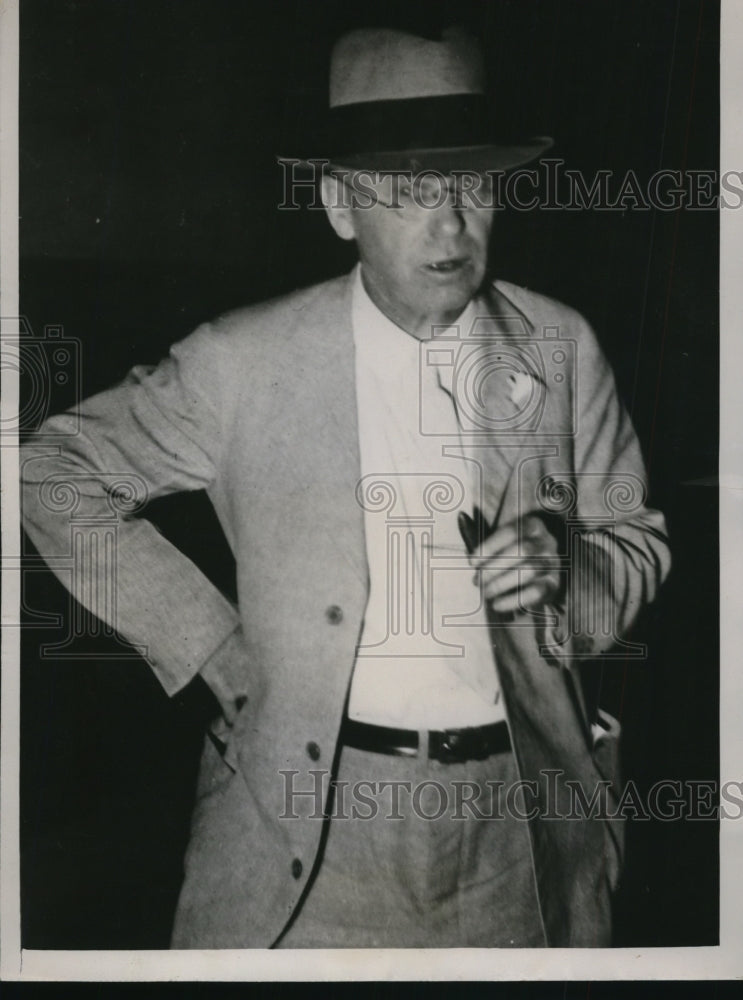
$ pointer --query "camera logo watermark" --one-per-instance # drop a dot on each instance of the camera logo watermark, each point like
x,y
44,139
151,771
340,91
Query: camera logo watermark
x,y
44,365
498,373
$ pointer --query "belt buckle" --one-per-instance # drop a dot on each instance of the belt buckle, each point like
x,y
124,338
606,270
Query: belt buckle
x,y
454,748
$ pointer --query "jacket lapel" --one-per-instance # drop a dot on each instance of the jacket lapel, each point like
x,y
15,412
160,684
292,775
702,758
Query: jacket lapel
x,y
325,415
504,396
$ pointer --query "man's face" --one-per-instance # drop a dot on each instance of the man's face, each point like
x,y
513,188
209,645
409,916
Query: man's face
x,y
423,248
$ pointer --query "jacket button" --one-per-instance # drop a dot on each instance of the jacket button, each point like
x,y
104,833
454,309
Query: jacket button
x,y
334,614
313,750
297,868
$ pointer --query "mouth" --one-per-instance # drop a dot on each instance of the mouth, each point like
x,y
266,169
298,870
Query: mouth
x,y
447,265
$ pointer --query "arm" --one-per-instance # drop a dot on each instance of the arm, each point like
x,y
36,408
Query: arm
x,y
160,431
618,553
619,566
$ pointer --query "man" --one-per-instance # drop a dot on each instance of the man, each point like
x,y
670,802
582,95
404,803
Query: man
x,y
401,738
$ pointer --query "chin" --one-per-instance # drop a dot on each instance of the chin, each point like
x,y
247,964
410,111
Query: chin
x,y
453,299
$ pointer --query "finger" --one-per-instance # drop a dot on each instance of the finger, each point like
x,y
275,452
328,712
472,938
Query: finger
x,y
508,550
501,539
521,579
532,526
529,536
537,592
512,579
500,562
521,600
552,585
510,559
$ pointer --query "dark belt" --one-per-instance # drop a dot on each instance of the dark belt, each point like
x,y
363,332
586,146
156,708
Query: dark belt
x,y
449,746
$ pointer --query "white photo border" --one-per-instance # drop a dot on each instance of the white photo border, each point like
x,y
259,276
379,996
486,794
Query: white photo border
x,y
722,962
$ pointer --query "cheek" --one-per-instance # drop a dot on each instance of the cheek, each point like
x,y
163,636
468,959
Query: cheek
x,y
397,260
382,249
480,231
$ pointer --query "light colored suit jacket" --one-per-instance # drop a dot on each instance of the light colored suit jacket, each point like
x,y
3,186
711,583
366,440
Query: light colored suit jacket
x,y
259,409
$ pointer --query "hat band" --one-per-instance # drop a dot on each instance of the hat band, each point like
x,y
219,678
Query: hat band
x,y
413,123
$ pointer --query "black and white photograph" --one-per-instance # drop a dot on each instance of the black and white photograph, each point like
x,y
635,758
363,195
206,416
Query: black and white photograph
x,y
368,366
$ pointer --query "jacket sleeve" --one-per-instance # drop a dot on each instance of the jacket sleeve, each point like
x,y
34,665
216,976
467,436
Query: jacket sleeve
x,y
619,554
87,474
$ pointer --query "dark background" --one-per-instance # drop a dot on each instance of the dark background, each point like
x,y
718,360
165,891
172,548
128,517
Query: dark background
x,y
149,130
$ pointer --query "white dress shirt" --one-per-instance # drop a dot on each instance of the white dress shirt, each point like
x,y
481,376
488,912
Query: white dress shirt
x,y
425,656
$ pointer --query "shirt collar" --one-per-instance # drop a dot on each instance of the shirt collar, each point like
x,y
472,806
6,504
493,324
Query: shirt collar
x,y
381,341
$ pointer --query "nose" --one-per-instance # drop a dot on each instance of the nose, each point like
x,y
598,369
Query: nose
x,y
447,219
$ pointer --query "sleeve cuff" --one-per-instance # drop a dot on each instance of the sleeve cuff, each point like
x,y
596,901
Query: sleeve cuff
x,y
226,673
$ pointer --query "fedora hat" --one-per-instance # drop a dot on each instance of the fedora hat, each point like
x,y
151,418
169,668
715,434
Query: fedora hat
x,y
401,102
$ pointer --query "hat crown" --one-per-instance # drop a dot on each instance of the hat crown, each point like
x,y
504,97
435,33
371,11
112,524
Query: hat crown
x,y
380,64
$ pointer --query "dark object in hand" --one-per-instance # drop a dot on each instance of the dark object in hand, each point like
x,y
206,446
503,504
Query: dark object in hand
x,y
474,530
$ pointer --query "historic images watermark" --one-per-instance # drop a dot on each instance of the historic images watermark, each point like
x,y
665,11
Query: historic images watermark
x,y
549,186
552,797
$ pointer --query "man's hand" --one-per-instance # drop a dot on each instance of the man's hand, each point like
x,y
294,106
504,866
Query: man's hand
x,y
517,566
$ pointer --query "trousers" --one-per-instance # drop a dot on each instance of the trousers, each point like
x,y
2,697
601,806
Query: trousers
x,y
421,854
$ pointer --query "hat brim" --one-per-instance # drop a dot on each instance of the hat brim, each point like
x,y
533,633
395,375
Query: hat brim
x,y
482,158
441,132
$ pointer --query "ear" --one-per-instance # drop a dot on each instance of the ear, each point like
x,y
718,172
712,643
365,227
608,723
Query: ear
x,y
336,200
